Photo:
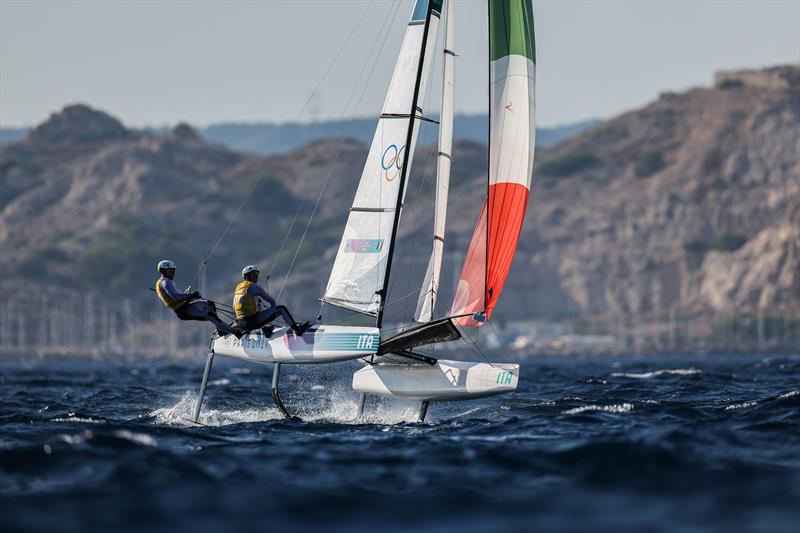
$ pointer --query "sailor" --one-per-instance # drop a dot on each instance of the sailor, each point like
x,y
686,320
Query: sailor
x,y
189,306
246,298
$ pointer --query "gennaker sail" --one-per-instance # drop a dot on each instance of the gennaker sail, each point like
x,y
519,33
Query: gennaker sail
x,y
512,137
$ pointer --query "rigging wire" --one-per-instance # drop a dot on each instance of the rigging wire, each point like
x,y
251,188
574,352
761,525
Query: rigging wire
x,y
280,146
338,151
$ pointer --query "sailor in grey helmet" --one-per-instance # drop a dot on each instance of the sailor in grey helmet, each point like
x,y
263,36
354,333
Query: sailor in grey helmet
x,y
246,298
188,306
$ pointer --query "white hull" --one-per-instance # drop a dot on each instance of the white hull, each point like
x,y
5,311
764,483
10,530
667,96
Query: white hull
x,y
320,344
445,380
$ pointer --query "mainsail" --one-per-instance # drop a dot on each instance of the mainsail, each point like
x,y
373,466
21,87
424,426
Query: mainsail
x,y
359,275
512,134
430,284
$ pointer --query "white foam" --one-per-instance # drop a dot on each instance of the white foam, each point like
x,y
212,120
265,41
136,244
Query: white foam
x,y
240,370
138,438
789,394
181,414
616,408
742,405
657,373
220,381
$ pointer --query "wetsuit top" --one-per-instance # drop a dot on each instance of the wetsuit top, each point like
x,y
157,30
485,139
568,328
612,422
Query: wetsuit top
x,y
169,293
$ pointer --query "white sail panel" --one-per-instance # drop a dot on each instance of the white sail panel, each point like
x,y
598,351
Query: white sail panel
x,y
360,266
430,284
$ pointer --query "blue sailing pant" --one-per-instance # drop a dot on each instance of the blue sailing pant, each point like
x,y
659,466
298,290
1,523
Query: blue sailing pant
x,y
203,311
262,318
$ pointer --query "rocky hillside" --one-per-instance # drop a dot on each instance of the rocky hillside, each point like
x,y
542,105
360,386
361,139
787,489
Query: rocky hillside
x,y
690,204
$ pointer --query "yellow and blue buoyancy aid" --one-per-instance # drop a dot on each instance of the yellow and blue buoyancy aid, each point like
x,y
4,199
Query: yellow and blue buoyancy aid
x,y
244,304
167,298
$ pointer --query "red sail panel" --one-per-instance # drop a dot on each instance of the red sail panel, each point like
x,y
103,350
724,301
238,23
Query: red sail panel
x,y
482,277
471,292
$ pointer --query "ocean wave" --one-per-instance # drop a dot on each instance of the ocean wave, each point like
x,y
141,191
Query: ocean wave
x,y
789,394
657,373
619,408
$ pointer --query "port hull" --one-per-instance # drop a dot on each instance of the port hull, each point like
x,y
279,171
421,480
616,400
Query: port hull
x,y
442,381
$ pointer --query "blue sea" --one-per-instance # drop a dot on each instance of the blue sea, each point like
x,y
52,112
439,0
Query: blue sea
x,y
659,443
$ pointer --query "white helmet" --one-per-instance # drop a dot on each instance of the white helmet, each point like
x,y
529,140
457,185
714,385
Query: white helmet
x,y
165,265
248,269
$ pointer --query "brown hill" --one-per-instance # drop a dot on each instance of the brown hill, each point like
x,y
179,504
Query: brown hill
x,y
688,205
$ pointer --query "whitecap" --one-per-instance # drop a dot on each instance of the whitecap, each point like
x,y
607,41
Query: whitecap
x,y
742,405
240,370
615,408
77,419
657,373
138,438
789,394
220,381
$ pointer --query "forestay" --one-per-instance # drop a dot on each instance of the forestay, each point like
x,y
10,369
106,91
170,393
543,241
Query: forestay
x,y
358,274
511,148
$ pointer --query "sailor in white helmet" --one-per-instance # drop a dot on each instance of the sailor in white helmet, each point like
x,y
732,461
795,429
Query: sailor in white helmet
x,y
246,299
188,306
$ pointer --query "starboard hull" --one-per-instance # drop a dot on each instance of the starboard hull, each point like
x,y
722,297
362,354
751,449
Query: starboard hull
x,y
320,344
442,381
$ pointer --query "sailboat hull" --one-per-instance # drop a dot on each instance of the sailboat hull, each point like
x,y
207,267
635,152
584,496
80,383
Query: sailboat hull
x,y
320,344
444,380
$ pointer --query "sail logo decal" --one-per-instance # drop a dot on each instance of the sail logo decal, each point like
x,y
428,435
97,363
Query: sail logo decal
x,y
504,377
332,342
364,246
392,161
365,342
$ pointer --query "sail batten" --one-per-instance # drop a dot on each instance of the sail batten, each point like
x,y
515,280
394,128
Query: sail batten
x,y
512,54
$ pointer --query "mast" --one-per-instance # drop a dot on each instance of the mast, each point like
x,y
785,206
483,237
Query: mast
x,y
426,302
359,278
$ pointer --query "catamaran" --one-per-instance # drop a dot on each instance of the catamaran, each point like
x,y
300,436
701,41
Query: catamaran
x,y
359,279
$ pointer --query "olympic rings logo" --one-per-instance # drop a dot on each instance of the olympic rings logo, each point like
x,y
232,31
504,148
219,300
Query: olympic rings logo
x,y
392,161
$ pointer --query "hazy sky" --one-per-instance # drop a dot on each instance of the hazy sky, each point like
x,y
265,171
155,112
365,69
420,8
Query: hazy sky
x,y
152,63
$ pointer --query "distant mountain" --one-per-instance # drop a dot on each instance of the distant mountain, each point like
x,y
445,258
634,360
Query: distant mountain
x,y
689,206
267,138
272,138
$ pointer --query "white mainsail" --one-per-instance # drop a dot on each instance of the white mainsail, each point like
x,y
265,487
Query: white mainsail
x,y
358,273
430,284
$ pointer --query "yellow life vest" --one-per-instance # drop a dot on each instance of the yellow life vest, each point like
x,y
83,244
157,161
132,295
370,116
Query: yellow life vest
x,y
244,305
168,300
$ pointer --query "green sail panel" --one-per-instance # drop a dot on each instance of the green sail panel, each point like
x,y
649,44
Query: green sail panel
x,y
511,30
